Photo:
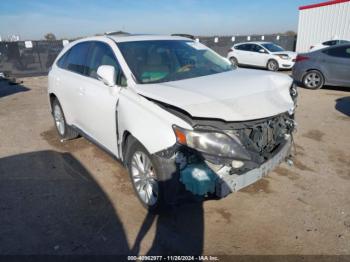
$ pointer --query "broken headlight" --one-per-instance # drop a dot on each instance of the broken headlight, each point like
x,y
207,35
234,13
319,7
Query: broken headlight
x,y
212,143
284,57
294,92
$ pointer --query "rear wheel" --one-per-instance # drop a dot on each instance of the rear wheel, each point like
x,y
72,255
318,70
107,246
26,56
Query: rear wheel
x,y
313,80
64,130
272,65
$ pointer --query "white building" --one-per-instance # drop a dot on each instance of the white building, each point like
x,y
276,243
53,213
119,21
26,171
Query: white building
x,y
321,22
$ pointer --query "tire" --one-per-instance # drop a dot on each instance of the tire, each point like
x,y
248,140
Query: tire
x,y
234,61
64,131
272,65
313,80
146,185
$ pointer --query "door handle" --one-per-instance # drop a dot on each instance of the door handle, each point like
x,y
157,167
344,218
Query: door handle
x,y
81,90
57,81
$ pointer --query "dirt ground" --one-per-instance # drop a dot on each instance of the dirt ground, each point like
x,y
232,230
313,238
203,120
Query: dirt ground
x,y
73,198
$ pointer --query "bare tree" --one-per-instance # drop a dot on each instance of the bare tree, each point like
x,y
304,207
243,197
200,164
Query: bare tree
x,y
50,36
290,33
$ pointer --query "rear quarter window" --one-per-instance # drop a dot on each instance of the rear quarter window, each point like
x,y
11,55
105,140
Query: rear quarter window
x,y
243,47
61,63
340,51
75,60
330,43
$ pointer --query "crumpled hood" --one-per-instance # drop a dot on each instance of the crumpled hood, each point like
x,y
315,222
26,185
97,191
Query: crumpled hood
x,y
238,95
289,53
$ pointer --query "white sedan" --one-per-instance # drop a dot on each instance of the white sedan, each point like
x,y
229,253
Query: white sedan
x,y
327,44
261,54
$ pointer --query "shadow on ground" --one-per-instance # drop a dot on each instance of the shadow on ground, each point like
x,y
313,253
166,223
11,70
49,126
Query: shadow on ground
x,y
343,105
50,204
6,88
337,88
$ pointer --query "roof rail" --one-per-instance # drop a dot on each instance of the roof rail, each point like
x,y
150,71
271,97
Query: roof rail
x,y
118,33
185,35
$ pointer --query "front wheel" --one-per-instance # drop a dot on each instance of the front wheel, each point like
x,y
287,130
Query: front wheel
x,y
234,61
144,175
313,80
272,65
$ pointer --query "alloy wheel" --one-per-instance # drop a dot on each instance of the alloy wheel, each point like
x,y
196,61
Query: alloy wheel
x,y
59,119
312,80
144,178
272,66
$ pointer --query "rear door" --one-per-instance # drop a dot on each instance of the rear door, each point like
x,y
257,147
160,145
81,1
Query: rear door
x,y
243,53
70,79
337,64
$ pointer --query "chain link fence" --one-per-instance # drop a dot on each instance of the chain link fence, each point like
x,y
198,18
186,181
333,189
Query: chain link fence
x,y
28,58
32,58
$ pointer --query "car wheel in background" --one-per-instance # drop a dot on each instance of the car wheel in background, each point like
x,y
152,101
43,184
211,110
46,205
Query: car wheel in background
x,y
64,130
144,175
234,61
313,79
272,65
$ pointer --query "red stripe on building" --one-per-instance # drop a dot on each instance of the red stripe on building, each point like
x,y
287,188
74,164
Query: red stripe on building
x,y
323,4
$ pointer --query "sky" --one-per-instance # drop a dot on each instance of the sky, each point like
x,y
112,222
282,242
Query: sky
x,y
32,19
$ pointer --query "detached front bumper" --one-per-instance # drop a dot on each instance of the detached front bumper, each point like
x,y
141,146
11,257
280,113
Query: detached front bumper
x,y
228,183
268,142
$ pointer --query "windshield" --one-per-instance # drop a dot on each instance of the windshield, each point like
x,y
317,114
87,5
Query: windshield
x,y
158,61
272,47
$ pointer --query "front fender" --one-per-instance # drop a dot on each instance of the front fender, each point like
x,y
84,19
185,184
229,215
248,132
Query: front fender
x,y
147,122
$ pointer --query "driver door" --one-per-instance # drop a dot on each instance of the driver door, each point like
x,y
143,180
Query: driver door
x,y
258,58
99,101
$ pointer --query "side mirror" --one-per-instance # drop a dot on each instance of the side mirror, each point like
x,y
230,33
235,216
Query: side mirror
x,y
262,51
107,74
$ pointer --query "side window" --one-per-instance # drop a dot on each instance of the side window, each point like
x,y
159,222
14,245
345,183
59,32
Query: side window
x,y
342,51
255,48
240,47
102,54
76,58
249,47
330,43
62,62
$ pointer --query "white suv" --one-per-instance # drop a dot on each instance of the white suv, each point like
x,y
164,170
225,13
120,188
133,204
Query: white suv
x,y
261,54
177,114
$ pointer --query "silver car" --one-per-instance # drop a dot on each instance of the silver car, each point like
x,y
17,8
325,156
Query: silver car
x,y
329,66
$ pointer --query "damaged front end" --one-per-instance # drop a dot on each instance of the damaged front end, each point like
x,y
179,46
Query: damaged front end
x,y
219,157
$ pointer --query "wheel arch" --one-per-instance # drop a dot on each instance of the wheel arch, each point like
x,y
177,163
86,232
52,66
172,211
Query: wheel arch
x,y
126,135
52,97
271,59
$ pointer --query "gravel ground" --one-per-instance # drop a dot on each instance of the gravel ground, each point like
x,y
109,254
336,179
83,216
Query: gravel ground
x,y
73,198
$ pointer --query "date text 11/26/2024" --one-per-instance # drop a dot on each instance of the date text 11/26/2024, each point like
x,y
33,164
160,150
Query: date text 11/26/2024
x,y
173,258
